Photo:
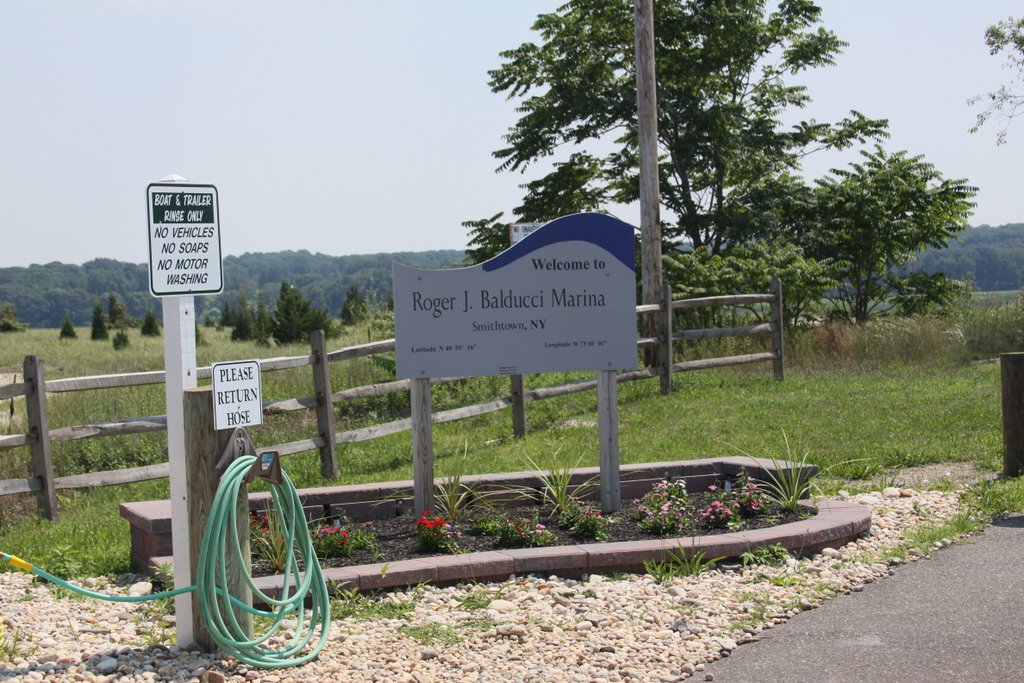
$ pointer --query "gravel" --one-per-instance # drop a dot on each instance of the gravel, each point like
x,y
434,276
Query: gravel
x,y
532,628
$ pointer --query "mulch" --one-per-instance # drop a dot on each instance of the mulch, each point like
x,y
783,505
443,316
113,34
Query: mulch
x,y
396,537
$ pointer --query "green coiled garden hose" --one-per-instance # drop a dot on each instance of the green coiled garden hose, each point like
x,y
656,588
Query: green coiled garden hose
x,y
218,607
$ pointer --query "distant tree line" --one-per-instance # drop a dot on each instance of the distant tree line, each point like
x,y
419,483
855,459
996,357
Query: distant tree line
x,y
991,259
57,295
45,295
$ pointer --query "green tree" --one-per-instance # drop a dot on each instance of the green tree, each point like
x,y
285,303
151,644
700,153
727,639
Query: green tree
x,y
243,323
9,319
874,217
262,323
150,325
1007,102
99,323
750,268
227,314
920,293
294,317
488,237
117,313
722,90
353,310
67,329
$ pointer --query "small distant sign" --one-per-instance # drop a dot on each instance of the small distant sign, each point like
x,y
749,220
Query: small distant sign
x,y
184,239
518,231
237,394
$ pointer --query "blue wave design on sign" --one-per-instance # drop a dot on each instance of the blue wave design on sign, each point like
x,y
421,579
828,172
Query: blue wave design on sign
x,y
602,230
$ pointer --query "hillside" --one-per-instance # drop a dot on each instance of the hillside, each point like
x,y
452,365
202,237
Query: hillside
x,y
43,294
990,257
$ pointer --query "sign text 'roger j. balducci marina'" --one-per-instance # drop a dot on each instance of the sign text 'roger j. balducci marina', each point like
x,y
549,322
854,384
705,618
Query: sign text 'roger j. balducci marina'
x,y
562,299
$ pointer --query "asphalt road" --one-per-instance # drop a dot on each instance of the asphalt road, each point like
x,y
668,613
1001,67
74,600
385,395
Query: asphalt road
x,y
955,617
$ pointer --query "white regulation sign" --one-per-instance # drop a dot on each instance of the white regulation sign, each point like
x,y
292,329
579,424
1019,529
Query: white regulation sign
x,y
184,239
237,394
517,231
561,299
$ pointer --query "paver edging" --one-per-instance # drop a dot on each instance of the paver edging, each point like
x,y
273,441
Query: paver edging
x,y
836,523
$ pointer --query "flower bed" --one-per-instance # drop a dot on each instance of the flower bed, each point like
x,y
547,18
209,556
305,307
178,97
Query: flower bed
x,y
667,509
150,521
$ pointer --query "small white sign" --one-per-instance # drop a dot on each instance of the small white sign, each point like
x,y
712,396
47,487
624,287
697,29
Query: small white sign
x,y
184,239
237,394
518,231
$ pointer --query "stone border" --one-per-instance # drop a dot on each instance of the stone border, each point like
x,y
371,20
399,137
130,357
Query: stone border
x,y
837,523
150,520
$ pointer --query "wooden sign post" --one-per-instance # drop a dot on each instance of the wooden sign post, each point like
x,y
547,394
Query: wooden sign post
x,y
562,299
183,229
180,371
1011,372
204,445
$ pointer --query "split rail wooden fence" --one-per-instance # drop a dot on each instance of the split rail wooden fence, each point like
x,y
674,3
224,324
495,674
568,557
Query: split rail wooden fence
x,y
35,388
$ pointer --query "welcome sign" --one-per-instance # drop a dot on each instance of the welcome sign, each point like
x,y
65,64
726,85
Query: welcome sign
x,y
561,299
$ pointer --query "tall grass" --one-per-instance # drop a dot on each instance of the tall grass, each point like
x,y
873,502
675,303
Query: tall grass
x,y
986,331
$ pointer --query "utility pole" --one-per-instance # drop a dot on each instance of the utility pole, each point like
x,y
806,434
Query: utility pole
x,y
647,125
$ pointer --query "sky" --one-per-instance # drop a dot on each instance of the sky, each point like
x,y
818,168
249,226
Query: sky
x,y
346,127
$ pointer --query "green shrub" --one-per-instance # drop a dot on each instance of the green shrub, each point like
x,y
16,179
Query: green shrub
x,y
773,555
331,540
150,326
120,340
9,319
434,534
585,522
677,564
520,532
67,329
663,510
99,324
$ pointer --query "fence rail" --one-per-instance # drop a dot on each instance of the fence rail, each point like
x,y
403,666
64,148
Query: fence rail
x,y
38,438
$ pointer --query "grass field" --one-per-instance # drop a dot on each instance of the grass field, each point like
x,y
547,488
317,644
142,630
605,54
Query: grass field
x,y
995,298
859,403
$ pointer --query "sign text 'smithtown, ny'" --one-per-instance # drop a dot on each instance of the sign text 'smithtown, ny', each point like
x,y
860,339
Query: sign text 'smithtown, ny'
x,y
562,299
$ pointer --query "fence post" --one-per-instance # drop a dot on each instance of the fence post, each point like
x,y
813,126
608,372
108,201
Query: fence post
x,y
422,445
608,433
203,448
776,307
1011,375
666,342
518,407
324,404
39,428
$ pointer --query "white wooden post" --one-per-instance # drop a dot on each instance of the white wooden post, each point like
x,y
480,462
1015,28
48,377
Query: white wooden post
x,y
608,433
179,318
180,368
